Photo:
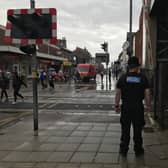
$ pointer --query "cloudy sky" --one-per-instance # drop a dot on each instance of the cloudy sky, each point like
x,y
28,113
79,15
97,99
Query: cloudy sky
x,y
87,23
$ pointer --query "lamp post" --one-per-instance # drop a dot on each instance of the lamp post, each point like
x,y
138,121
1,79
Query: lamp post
x,y
130,24
130,30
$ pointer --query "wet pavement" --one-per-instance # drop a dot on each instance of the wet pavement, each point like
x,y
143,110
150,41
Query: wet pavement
x,y
77,129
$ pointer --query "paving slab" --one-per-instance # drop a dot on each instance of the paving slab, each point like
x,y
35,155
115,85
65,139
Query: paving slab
x,y
68,165
68,147
106,158
96,133
44,165
92,140
17,157
59,157
109,148
23,165
88,147
83,157
39,156
80,133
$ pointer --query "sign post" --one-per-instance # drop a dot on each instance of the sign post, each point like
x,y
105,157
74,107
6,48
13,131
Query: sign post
x,y
28,28
34,80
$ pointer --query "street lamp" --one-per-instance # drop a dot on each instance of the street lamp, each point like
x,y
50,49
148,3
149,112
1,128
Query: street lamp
x,y
130,25
130,34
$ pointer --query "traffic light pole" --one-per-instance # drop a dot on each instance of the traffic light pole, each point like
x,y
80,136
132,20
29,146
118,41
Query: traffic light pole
x,y
105,48
34,80
106,68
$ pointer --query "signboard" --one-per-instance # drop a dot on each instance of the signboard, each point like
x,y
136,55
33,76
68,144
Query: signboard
x,y
31,26
67,63
102,57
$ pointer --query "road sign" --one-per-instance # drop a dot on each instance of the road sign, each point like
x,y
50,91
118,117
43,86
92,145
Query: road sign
x,y
102,57
31,26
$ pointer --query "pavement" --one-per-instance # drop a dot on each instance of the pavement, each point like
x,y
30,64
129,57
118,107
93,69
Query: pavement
x,y
77,138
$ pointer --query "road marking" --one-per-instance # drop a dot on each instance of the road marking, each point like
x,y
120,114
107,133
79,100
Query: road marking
x,y
52,105
42,106
13,118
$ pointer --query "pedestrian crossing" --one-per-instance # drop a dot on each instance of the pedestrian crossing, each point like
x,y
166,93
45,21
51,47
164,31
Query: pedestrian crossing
x,y
60,106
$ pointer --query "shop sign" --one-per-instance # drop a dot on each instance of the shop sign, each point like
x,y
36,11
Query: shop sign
x,y
67,63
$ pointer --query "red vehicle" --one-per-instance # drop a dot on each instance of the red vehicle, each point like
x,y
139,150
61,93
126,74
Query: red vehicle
x,y
86,71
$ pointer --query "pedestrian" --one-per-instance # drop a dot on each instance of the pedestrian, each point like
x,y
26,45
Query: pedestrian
x,y
51,79
17,83
132,88
4,85
110,76
102,75
117,69
76,76
43,79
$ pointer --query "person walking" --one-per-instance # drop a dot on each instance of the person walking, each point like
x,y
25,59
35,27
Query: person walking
x,y
102,75
4,85
51,79
110,75
17,83
132,88
43,79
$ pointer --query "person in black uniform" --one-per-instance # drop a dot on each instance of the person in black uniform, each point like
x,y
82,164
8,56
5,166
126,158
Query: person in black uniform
x,y
132,88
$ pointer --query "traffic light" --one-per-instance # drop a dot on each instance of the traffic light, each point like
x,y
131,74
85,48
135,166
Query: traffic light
x,y
31,26
104,46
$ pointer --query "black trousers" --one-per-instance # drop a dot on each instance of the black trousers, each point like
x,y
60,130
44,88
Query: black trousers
x,y
131,115
16,93
4,92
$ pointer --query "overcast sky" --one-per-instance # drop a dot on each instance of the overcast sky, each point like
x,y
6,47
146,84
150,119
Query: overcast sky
x,y
87,23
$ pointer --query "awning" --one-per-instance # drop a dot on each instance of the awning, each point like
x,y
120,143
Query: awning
x,y
39,54
52,57
10,49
